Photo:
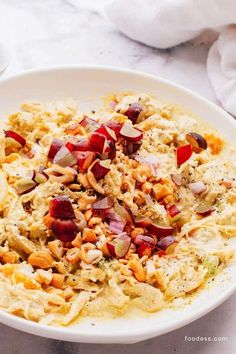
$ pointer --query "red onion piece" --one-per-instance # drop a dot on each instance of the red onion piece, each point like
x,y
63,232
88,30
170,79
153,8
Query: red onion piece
x,y
116,226
123,213
15,136
177,179
40,177
102,204
197,187
26,185
204,210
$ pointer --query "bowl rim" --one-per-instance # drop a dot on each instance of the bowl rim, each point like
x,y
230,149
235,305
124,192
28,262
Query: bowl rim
x,y
71,333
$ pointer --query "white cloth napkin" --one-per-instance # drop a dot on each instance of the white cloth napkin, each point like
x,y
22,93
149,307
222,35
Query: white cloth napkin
x,y
166,23
4,57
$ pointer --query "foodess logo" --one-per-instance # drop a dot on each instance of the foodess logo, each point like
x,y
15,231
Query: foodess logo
x,y
205,339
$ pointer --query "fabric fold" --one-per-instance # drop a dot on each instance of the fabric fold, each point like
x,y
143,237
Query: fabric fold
x,y
167,23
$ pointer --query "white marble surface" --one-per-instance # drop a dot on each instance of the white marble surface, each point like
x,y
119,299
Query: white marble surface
x,y
61,32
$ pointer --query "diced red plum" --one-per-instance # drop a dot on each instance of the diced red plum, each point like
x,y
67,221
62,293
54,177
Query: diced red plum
x,y
173,211
129,133
134,111
64,230
115,126
108,132
123,213
110,152
99,170
81,145
98,142
160,230
54,148
84,159
61,207
64,157
167,244
132,147
145,222
183,153
16,137
119,246
89,124
146,245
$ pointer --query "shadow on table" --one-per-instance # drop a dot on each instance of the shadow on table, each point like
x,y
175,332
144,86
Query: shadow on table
x,y
216,324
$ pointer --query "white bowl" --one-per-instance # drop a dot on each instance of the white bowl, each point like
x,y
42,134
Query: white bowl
x,y
88,85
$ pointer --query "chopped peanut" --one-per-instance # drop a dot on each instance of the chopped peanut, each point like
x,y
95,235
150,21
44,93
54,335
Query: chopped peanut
x,y
74,187
86,201
77,242
142,173
84,250
146,187
41,259
94,220
138,270
27,281
139,197
83,179
12,157
136,231
88,214
56,247
73,255
58,280
215,143
160,191
76,130
10,257
7,269
48,220
44,276
102,245
68,293
89,235
93,256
